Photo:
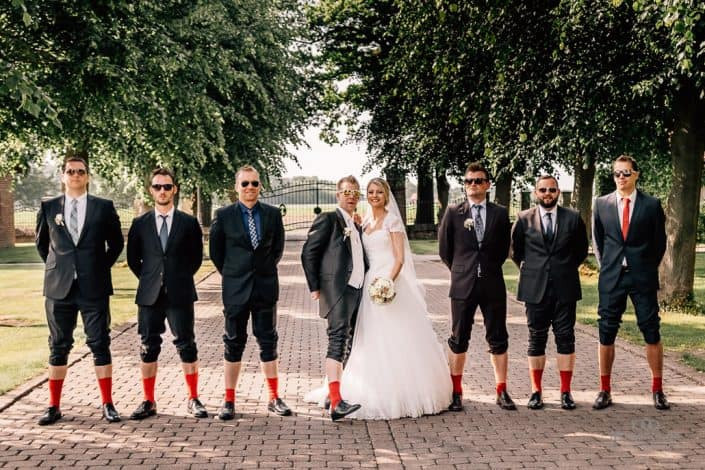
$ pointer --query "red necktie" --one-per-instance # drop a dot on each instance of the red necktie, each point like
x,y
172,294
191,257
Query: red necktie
x,y
625,217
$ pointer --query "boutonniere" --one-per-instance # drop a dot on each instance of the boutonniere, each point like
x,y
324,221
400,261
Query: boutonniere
x,y
59,220
469,223
346,233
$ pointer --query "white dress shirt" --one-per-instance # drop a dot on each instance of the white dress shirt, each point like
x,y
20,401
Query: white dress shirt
x,y
169,219
81,208
357,276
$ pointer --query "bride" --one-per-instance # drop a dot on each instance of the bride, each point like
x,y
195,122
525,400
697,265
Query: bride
x,y
397,367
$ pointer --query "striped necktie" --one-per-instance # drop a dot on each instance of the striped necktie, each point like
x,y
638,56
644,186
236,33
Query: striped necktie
x,y
73,220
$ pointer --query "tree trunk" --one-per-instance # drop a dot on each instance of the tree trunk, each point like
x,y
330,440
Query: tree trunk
x,y
7,213
584,176
204,208
397,183
424,196
683,203
503,189
443,189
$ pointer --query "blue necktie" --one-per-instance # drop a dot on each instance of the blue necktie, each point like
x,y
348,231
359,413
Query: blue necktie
x,y
163,232
252,228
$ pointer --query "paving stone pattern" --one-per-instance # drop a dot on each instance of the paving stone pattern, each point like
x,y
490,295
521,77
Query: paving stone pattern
x,y
632,434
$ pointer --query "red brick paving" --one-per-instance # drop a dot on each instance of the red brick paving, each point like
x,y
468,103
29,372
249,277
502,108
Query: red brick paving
x,y
632,434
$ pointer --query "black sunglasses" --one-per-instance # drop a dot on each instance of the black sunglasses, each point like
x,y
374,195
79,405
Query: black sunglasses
x,y
78,171
625,173
158,187
245,184
475,180
550,190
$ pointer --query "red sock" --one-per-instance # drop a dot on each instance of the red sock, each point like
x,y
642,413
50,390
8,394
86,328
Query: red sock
x,y
457,383
605,383
230,394
106,389
566,377
192,383
536,376
334,391
656,384
148,387
273,385
501,387
55,386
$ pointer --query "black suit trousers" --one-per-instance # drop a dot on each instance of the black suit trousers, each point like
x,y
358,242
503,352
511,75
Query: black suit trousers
x,y
151,327
264,327
341,324
62,316
551,312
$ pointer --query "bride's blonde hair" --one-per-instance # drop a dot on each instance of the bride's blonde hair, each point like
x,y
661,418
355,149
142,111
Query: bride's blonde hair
x,y
381,182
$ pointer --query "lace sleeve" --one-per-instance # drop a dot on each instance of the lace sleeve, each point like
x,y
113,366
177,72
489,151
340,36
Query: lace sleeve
x,y
392,223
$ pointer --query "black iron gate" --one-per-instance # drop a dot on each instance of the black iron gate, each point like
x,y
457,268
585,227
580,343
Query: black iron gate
x,y
301,202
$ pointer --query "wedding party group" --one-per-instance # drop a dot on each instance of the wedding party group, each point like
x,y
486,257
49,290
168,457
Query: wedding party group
x,y
383,357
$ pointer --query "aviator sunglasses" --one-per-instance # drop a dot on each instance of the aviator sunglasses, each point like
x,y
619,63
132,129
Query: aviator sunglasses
x,y
550,190
76,171
625,173
245,184
475,180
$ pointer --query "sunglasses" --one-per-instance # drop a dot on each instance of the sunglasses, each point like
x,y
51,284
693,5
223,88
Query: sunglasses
x,y
245,184
350,192
550,190
79,172
625,173
475,180
159,187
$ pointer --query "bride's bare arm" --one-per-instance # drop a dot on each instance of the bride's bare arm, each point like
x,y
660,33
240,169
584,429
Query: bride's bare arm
x,y
398,249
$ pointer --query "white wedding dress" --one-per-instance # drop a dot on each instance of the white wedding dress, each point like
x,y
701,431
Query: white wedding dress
x,y
397,367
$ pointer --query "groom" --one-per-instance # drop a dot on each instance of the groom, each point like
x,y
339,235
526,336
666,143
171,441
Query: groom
x,y
334,263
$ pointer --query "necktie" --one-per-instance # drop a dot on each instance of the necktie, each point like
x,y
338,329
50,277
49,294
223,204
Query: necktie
x,y
479,225
252,228
73,220
549,226
625,217
164,232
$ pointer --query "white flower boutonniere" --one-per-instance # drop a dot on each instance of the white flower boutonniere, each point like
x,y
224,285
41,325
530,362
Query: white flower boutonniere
x,y
59,219
469,223
346,233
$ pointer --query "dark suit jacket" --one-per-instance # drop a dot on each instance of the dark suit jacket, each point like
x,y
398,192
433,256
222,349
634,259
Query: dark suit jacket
x,y
174,269
538,259
247,272
459,250
98,247
327,259
644,247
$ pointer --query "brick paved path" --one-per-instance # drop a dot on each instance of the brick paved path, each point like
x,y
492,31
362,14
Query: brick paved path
x,y
631,434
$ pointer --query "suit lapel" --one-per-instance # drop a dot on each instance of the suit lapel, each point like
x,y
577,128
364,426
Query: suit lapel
x,y
342,225
175,226
90,212
63,228
557,226
263,222
151,227
615,220
240,225
465,212
636,213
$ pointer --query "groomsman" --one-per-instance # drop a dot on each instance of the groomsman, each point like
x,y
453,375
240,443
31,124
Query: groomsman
x,y
549,243
473,241
164,251
79,238
246,244
629,240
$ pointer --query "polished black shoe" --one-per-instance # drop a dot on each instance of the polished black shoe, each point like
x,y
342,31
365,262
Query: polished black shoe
x,y
567,402
603,400
196,408
110,413
535,401
342,409
505,401
50,416
277,406
227,412
660,401
145,410
456,403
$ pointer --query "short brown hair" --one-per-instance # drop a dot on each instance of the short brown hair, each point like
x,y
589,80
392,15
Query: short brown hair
x,y
164,172
627,158
546,177
347,179
477,166
74,159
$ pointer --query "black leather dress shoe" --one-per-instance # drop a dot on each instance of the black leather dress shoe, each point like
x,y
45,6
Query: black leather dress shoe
x,y
535,401
227,412
326,403
660,401
456,403
277,406
505,401
342,409
567,402
196,408
110,413
603,400
145,410
51,415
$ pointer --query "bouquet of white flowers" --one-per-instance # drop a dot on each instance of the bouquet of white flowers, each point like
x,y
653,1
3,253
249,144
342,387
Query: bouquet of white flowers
x,y
382,290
